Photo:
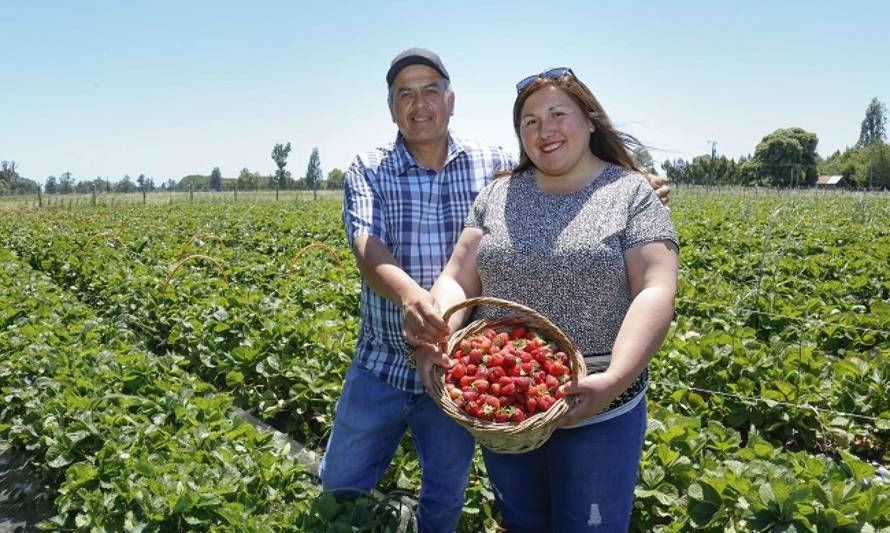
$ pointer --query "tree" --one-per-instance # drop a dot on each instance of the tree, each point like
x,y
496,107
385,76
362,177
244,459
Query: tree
x,y
51,186
313,171
66,183
872,128
142,183
215,179
642,158
336,179
279,155
125,185
786,157
248,179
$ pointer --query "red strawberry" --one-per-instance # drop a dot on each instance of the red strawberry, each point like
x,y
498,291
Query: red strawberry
x,y
558,369
494,389
470,395
458,371
489,333
466,381
508,390
551,382
546,402
518,332
501,416
481,385
496,360
476,356
491,401
496,373
517,416
522,383
531,405
465,346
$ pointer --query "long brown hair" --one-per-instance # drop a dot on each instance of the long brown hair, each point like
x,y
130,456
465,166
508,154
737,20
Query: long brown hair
x,y
606,142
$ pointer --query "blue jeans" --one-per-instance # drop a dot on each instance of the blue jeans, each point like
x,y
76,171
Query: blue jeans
x,y
581,479
370,420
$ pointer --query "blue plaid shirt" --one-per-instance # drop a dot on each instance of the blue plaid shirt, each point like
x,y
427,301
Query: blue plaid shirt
x,y
418,214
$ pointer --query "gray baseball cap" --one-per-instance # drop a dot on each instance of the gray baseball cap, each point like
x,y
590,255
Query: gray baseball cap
x,y
415,56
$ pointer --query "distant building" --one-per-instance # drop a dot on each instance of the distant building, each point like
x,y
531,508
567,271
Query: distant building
x,y
828,182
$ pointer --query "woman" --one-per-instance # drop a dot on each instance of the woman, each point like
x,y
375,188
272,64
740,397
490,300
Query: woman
x,y
577,234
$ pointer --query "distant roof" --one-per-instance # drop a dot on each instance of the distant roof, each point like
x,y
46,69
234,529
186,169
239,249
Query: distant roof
x,y
828,180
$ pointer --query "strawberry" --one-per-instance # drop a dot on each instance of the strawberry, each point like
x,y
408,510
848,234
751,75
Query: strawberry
x,y
522,383
473,408
470,395
501,416
496,360
489,333
508,390
491,401
466,381
465,346
481,385
476,356
551,382
505,400
458,371
501,339
558,369
531,405
546,402
509,362
494,389
518,332
517,416
496,373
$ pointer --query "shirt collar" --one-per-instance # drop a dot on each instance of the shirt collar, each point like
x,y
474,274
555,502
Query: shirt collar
x,y
404,160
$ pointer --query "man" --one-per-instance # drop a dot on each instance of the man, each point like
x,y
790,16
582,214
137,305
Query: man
x,y
403,209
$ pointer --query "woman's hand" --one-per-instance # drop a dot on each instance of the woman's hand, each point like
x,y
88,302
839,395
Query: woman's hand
x,y
590,396
427,357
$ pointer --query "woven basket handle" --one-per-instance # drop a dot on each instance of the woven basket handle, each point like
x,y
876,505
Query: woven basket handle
x,y
554,331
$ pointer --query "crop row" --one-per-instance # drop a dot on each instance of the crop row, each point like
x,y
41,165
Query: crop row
x,y
256,336
127,440
280,333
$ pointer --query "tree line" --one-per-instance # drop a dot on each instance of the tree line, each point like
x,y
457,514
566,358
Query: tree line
x,y
787,158
11,182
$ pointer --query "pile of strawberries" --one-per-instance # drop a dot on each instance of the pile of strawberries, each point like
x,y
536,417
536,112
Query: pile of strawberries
x,y
506,376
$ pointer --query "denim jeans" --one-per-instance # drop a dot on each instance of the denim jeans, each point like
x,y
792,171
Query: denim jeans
x,y
370,420
582,479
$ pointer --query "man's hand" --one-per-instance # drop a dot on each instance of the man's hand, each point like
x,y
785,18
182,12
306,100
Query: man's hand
x,y
659,183
423,322
428,356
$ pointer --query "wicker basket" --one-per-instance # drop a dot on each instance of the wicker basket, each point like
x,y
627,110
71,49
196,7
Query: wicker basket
x,y
534,431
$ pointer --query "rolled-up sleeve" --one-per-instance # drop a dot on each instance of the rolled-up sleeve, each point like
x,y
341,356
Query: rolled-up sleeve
x,y
362,204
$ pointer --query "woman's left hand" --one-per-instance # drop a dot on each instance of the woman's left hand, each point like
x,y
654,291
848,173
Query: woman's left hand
x,y
590,396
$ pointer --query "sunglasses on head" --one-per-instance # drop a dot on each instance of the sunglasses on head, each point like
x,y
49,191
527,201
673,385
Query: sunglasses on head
x,y
550,74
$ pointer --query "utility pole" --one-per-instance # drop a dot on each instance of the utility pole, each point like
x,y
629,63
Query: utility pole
x,y
713,160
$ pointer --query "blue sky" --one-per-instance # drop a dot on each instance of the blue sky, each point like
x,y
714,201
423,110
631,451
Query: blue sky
x,y
166,89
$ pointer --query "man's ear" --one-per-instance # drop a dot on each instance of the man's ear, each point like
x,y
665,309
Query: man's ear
x,y
450,100
392,112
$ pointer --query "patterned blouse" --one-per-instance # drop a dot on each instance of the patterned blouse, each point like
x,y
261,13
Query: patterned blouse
x,y
563,255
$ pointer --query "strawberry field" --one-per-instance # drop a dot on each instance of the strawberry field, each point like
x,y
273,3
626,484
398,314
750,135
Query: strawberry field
x,y
128,336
